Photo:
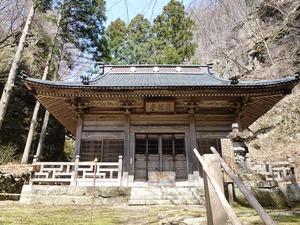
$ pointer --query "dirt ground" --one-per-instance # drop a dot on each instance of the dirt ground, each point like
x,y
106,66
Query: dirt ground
x,y
12,212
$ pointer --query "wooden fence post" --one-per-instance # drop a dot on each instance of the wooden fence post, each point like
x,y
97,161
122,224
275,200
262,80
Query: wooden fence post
x,y
120,170
75,171
230,213
249,196
211,199
292,170
33,169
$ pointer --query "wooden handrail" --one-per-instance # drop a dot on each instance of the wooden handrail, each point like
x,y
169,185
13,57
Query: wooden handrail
x,y
74,172
229,211
249,196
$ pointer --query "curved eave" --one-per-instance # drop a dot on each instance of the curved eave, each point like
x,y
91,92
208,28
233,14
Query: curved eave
x,y
257,108
55,96
61,110
35,84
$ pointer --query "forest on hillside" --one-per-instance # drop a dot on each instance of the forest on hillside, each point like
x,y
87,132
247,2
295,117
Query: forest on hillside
x,y
257,40
254,40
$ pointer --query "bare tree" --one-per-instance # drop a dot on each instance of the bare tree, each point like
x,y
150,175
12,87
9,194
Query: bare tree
x,y
221,23
15,64
12,17
37,105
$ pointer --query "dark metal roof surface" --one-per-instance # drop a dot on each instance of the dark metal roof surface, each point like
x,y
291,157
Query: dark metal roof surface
x,y
159,80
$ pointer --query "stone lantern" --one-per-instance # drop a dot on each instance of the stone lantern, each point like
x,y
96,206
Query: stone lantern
x,y
240,149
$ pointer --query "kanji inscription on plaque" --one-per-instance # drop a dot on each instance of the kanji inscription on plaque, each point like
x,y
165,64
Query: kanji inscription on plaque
x,y
160,107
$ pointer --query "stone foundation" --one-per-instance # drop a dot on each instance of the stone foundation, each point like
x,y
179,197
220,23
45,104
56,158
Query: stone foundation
x,y
68,195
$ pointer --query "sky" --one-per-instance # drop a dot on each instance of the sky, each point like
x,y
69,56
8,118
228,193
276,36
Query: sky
x,y
128,9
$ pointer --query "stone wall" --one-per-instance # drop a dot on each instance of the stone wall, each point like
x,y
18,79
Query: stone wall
x,y
273,195
11,183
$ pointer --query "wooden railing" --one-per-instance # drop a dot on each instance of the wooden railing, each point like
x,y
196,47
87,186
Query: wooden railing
x,y
282,171
77,173
213,191
220,195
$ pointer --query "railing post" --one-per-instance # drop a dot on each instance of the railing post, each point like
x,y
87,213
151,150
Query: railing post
x,y
120,170
269,169
292,170
248,163
75,171
33,169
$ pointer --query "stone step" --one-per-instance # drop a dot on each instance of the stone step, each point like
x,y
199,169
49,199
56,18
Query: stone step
x,y
164,202
166,196
174,191
187,195
165,190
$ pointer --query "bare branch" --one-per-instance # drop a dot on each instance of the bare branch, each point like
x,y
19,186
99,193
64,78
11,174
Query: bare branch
x,y
12,17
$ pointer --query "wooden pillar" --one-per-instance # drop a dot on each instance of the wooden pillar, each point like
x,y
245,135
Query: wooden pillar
x,y
160,153
193,164
131,156
127,149
78,136
214,209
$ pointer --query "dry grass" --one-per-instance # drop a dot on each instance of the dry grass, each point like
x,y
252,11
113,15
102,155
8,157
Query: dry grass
x,y
15,213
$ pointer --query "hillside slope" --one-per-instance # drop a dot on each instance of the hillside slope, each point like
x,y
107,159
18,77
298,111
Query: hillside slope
x,y
257,40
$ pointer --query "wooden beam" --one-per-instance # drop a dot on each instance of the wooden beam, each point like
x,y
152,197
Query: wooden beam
x,y
231,215
211,199
249,196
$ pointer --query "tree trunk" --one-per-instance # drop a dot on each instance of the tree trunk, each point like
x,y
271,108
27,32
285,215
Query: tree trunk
x,y
37,106
43,134
14,67
30,133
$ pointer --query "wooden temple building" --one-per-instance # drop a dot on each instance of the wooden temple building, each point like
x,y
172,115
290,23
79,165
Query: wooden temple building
x,y
154,115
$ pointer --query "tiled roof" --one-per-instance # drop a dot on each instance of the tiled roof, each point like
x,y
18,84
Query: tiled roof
x,y
65,100
167,77
158,80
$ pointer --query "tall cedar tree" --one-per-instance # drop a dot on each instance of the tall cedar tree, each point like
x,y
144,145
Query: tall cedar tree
x,y
116,35
138,47
80,24
83,26
173,35
168,41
